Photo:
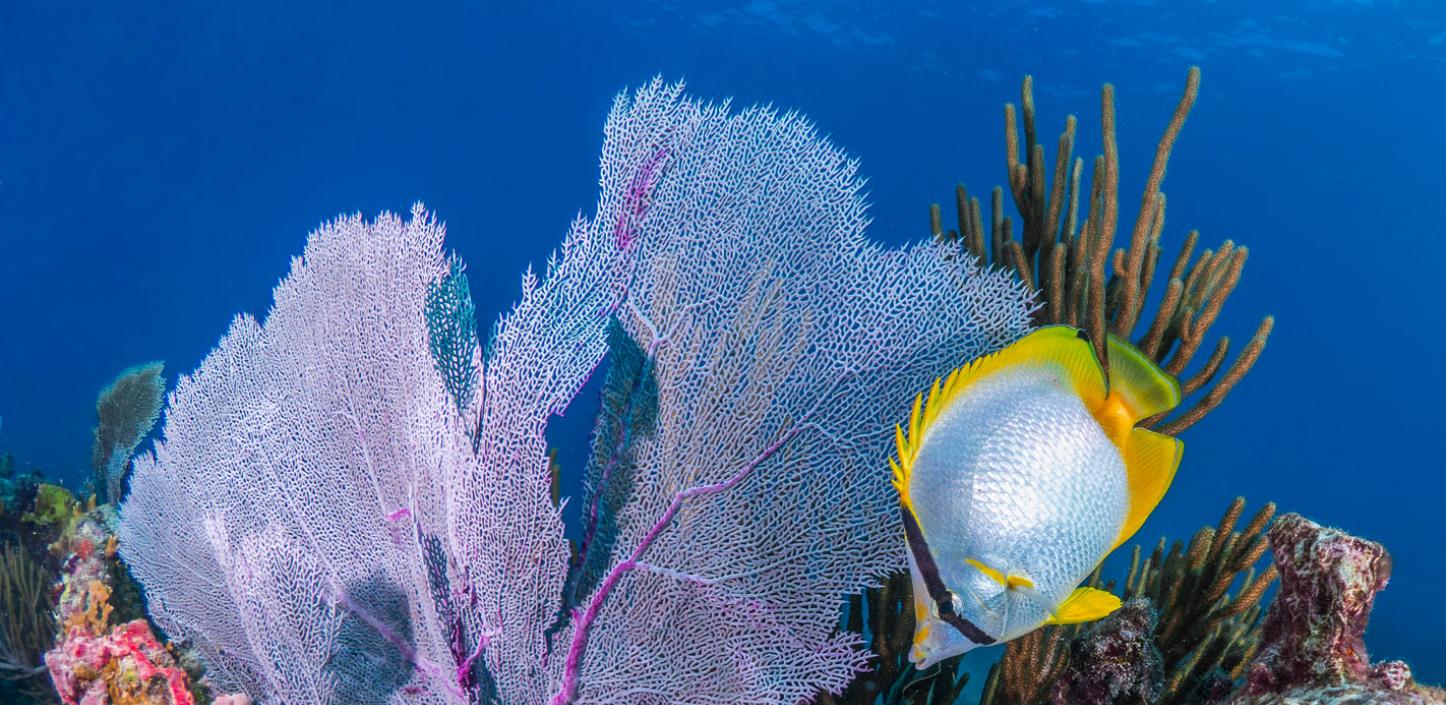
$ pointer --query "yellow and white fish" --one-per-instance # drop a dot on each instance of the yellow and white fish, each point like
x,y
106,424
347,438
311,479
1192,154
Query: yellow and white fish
x,y
1017,476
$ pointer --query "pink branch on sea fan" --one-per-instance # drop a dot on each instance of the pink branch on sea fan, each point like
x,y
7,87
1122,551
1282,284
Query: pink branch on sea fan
x,y
568,689
635,203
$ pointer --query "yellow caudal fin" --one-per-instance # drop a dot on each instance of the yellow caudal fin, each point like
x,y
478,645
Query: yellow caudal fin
x,y
1138,383
1057,348
1150,463
1139,389
1085,604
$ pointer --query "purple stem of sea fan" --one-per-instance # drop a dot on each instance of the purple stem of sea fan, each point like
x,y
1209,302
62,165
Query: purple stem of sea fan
x,y
635,202
420,664
464,668
568,689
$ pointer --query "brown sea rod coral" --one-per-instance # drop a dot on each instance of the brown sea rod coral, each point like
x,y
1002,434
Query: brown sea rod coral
x,y
1201,633
1063,258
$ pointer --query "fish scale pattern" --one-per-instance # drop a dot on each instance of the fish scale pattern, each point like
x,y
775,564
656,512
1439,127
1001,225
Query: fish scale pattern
x,y
1017,474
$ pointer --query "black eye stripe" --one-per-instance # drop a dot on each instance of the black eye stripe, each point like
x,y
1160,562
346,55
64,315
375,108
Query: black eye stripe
x,y
929,571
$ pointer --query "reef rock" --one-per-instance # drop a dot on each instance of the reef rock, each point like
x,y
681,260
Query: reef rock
x,y
1313,650
97,662
1115,662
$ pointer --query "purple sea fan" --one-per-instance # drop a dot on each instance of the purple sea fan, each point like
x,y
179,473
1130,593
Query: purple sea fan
x,y
776,348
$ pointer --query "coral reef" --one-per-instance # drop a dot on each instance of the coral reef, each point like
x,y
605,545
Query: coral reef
x,y
1064,262
1115,661
1181,634
53,506
126,410
17,490
1313,645
1202,633
1206,631
1060,257
98,661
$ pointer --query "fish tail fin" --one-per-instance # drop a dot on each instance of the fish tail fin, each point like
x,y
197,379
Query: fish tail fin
x,y
1139,389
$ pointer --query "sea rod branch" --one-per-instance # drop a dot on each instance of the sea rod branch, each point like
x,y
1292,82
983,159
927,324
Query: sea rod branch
x,y
568,688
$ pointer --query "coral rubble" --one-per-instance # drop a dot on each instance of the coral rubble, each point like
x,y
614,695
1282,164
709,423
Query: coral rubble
x,y
1313,648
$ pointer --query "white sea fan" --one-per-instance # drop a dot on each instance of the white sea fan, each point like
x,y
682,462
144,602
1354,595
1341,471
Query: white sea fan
x,y
326,525
284,455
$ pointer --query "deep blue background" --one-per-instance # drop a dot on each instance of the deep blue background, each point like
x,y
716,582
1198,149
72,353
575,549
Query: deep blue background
x,y
160,163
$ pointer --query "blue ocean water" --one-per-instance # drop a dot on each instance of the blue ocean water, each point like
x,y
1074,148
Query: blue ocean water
x,y
161,162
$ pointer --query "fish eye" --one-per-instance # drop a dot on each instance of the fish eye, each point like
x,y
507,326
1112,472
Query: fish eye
x,y
946,608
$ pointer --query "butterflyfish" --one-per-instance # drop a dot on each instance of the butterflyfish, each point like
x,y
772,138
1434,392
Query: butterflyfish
x,y
1017,474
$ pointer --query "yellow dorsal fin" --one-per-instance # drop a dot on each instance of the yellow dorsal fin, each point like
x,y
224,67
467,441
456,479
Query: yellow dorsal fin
x,y
1058,348
1085,604
1150,462
1140,385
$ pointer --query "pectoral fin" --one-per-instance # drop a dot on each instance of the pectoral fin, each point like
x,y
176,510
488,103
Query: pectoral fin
x,y
1085,604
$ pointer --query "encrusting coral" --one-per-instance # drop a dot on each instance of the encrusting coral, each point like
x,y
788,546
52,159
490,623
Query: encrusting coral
x,y
1116,663
1313,649
97,661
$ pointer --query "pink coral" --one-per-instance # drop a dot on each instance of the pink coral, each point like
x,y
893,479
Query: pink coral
x,y
87,668
94,662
